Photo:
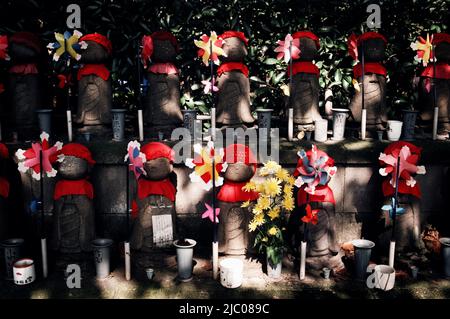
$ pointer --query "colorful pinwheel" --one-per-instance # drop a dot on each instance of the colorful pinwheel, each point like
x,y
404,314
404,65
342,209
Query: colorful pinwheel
x,y
424,50
4,47
136,159
289,48
311,215
30,159
210,214
210,48
202,163
408,164
147,49
316,170
210,86
66,44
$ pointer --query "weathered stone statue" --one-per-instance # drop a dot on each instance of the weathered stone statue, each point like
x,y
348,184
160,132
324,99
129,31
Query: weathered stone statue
x,y
4,192
162,105
373,45
74,216
94,86
25,51
155,198
233,220
440,80
305,81
233,98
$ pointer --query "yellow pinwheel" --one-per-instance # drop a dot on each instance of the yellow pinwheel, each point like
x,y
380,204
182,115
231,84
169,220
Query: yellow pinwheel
x,y
210,48
67,44
424,49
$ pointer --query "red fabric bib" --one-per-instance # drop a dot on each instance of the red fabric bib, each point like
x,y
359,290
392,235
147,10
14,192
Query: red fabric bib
x,y
4,187
442,71
303,67
97,69
323,194
163,68
388,190
164,188
68,187
29,68
232,192
369,67
232,66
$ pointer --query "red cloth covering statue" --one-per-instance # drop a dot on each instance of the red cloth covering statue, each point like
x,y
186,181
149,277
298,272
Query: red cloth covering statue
x,y
74,226
233,220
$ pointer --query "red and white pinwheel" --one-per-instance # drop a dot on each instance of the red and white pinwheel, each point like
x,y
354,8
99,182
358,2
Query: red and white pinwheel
x,y
409,155
4,47
210,48
314,170
30,159
424,50
136,159
289,48
202,163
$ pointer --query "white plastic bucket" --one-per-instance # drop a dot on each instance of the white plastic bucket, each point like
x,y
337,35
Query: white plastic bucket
x,y
385,277
231,272
24,272
394,130
320,130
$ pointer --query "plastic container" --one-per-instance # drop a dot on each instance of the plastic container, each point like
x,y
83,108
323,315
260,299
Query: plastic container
x,y
185,259
231,272
102,256
24,272
363,251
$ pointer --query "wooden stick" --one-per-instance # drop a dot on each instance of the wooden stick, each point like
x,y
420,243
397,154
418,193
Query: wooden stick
x,y
43,237
436,108
363,111
127,242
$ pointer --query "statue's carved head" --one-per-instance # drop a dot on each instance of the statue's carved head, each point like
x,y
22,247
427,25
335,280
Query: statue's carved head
x,y
235,46
159,164
98,49
77,161
241,163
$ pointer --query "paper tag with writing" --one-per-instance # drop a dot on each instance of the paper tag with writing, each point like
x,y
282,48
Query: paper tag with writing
x,y
162,230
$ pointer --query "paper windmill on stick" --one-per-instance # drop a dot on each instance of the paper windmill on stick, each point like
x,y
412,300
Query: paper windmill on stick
x,y
424,50
315,171
147,49
66,45
288,48
30,159
210,86
210,48
136,159
4,47
311,215
202,163
211,213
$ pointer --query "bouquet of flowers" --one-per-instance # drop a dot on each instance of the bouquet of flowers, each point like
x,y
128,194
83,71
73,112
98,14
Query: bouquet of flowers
x,y
275,188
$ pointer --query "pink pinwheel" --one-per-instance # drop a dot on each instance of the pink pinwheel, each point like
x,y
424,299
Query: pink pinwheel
x,y
289,48
407,166
209,87
209,213
136,159
314,170
3,47
30,159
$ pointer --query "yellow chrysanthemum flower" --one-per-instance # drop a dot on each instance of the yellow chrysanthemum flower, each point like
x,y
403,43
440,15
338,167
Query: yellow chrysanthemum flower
x,y
274,213
287,189
269,168
272,231
260,188
265,239
272,187
263,202
245,204
288,203
252,226
259,219
290,180
250,186
282,174
257,210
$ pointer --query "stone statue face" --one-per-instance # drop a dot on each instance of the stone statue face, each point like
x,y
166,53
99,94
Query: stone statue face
x,y
158,169
374,50
22,54
308,49
94,53
443,52
235,49
239,172
73,168
164,51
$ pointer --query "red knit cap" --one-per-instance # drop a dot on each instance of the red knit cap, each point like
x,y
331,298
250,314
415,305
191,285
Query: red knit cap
x,y
370,35
78,150
4,153
441,37
155,150
238,153
28,39
165,36
307,34
234,34
100,39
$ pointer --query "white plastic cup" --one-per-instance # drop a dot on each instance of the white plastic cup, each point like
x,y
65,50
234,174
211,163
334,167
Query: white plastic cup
x,y
385,277
231,272
394,130
320,130
24,272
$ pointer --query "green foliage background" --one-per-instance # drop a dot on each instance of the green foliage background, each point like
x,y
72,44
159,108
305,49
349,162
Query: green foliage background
x,y
263,22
